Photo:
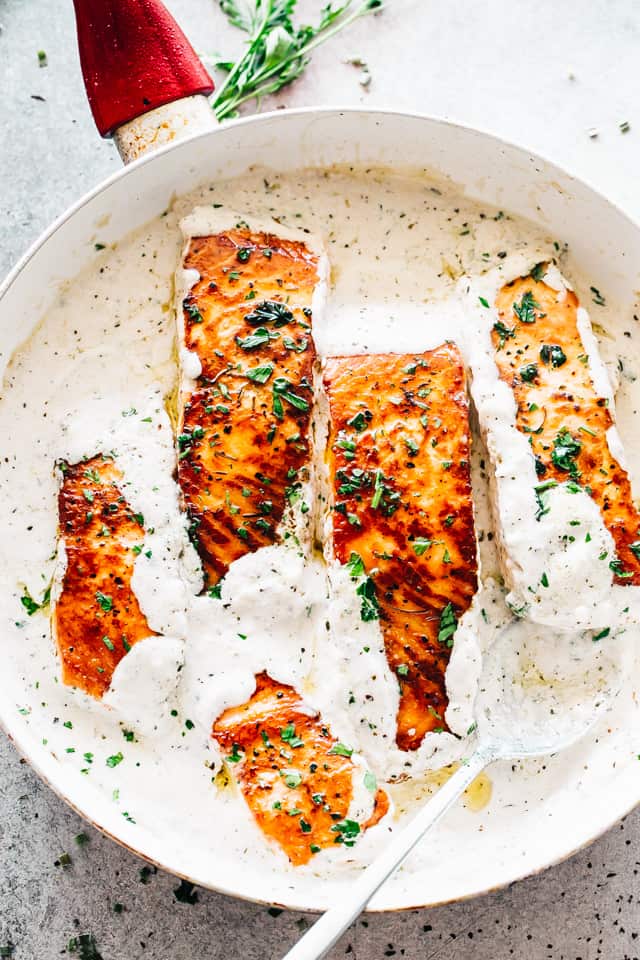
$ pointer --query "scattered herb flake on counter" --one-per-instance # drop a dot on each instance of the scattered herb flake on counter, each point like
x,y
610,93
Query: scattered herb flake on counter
x,y
85,946
186,893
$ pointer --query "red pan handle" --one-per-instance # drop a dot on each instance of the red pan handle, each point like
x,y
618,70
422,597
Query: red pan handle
x,y
134,58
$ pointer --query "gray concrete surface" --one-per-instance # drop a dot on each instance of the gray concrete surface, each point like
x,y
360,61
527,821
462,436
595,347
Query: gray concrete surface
x,y
539,73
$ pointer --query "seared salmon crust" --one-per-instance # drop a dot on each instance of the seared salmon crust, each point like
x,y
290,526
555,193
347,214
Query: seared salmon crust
x,y
96,618
398,451
244,433
296,778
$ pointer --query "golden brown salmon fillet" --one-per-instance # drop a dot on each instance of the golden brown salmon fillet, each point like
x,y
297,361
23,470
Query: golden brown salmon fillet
x,y
96,618
540,354
244,427
402,517
296,778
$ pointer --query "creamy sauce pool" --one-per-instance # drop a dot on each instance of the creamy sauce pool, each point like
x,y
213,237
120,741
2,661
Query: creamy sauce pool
x,y
94,376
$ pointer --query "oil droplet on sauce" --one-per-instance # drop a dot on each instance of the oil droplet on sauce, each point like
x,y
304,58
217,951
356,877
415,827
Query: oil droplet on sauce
x,y
475,798
478,794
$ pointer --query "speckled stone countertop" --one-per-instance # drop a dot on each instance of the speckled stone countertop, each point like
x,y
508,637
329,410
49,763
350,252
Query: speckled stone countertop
x,y
549,75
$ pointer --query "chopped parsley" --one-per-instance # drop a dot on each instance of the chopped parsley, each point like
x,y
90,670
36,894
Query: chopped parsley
x,y
448,625
104,601
282,391
355,566
551,353
537,273
616,567
269,311
540,490
288,735
421,545
529,372
191,309
347,831
359,420
369,609
31,605
504,333
236,754
259,338
602,634
566,450
525,311
259,374
115,759
293,779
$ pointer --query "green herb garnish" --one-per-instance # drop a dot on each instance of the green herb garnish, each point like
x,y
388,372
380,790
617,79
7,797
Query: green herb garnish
x,y
277,51
553,354
448,625
525,311
369,609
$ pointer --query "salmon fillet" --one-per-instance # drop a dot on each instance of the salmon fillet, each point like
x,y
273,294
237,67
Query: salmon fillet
x,y
244,423
540,354
566,527
96,617
296,778
402,514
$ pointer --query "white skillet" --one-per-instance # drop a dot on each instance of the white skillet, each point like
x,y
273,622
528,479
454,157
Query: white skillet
x,y
603,240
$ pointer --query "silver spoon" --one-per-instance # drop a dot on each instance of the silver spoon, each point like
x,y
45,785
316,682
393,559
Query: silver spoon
x,y
538,694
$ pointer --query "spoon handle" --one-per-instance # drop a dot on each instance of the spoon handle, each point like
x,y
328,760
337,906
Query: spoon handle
x,y
323,934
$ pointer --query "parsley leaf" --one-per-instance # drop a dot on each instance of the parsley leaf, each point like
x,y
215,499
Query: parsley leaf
x,y
448,625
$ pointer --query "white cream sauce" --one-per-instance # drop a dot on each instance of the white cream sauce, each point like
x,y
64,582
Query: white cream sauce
x,y
93,376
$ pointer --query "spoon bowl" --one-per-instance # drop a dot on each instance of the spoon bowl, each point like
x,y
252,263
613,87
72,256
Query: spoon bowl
x,y
539,693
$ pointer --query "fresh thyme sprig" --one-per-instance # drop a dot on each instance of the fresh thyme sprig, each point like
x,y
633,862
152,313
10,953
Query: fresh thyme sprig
x,y
277,51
